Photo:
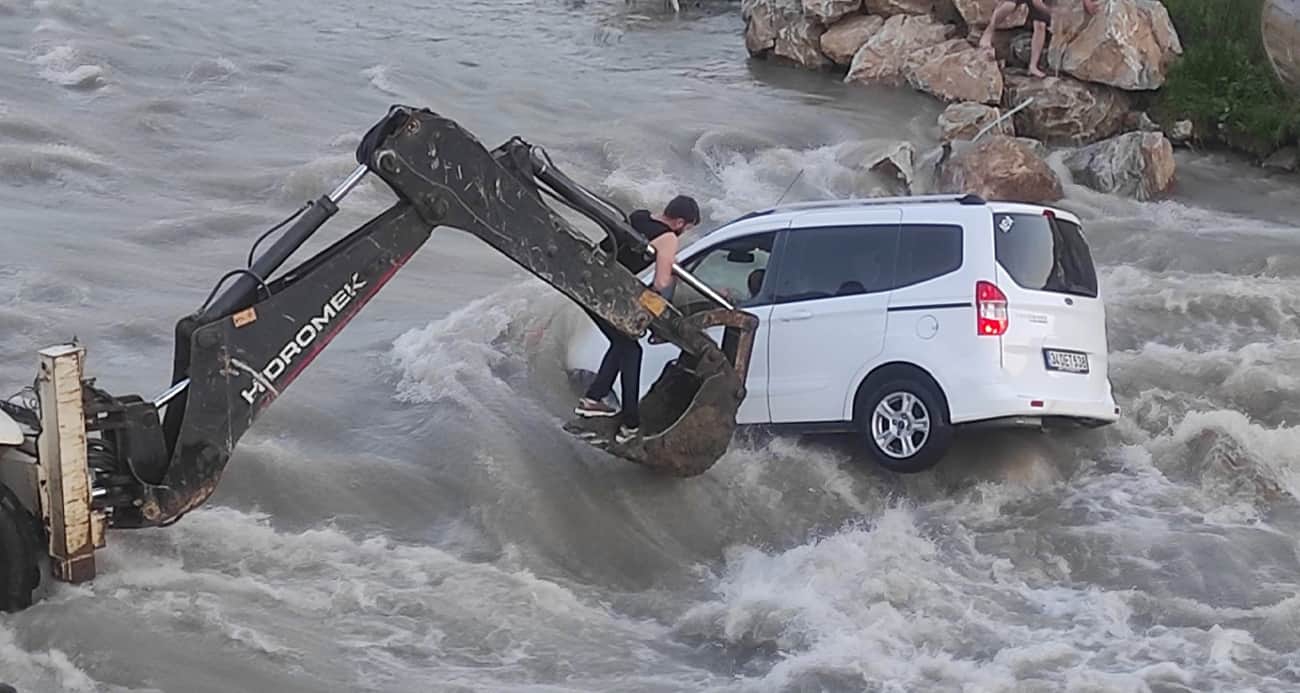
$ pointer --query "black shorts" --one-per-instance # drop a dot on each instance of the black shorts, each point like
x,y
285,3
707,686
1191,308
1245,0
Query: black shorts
x,y
1036,15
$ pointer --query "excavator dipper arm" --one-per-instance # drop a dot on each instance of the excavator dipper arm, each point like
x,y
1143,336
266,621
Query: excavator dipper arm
x,y
245,346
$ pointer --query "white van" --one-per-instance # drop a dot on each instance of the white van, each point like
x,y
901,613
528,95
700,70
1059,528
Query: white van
x,y
901,318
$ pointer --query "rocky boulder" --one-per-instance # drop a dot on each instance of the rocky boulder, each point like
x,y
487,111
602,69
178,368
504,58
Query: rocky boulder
x,y
1038,148
761,20
1129,44
842,41
780,28
1181,132
888,8
1064,110
882,59
1136,164
962,121
896,164
883,167
956,71
830,11
1139,120
978,13
999,168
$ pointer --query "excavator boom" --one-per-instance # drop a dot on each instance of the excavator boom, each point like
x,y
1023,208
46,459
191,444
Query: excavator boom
x,y
155,460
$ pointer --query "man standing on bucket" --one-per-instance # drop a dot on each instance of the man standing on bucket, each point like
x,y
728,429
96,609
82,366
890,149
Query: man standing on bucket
x,y
1040,15
623,358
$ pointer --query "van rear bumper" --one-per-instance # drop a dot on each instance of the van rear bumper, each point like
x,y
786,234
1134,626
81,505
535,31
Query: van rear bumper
x,y
997,403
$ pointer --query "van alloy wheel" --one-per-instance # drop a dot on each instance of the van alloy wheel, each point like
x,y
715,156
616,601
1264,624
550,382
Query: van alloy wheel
x,y
900,425
902,415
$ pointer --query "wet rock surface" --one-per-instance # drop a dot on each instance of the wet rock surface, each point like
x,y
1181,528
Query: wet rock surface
x,y
1000,168
884,58
1097,63
842,41
1065,111
1136,164
962,121
1130,44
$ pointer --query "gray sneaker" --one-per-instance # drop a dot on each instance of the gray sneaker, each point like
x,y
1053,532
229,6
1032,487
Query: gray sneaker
x,y
592,408
626,435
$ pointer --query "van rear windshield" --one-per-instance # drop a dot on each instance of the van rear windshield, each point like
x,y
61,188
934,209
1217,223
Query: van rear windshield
x,y
1044,254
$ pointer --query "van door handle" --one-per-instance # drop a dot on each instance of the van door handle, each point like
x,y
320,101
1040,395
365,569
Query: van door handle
x,y
797,315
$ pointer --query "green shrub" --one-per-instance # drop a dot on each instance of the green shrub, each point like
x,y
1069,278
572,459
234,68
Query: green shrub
x,y
1223,83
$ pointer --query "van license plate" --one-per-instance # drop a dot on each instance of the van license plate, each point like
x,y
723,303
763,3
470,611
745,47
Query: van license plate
x,y
1067,361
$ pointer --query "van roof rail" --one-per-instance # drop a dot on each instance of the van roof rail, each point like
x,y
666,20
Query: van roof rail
x,y
964,199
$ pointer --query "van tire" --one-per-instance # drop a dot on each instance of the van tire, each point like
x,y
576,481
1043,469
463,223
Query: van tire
x,y
20,552
911,397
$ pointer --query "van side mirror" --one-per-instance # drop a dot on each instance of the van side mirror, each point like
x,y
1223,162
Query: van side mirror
x,y
745,256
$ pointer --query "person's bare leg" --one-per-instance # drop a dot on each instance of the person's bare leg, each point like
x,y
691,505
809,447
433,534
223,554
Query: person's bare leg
x,y
999,13
1036,49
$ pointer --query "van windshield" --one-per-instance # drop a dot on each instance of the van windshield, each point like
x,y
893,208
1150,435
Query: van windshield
x,y
1045,254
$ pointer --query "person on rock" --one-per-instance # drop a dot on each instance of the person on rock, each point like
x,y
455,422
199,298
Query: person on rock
x,y
1040,16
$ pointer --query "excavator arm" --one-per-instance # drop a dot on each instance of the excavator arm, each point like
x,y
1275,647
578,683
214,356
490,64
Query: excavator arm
x,y
155,460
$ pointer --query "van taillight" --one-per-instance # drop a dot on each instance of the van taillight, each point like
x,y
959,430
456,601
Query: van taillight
x,y
991,307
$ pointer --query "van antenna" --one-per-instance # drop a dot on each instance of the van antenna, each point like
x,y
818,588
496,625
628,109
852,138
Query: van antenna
x,y
788,187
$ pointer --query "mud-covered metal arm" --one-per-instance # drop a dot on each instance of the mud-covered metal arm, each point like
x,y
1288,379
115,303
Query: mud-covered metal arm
x,y
497,195
232,367
240,352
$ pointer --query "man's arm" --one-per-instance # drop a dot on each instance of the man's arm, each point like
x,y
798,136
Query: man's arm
x,y
665,255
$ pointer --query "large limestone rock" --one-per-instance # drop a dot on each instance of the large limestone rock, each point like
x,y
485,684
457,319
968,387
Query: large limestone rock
x,y
890,165
1000,168
1140,120
800,42
830,11
1280,34
882,59
915,59
1129,44
780,28
1136,164
887,8
978,13
956,71
1035,146
962,121
842,41
1065,111
896,163
762,18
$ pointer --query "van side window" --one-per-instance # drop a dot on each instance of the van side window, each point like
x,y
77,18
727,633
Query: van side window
x,y
736,269
837,261
927,251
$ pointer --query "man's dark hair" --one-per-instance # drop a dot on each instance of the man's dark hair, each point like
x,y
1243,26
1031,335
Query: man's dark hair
x,y
683,207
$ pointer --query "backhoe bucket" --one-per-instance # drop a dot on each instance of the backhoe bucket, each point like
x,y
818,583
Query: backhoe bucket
x,y
689,415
